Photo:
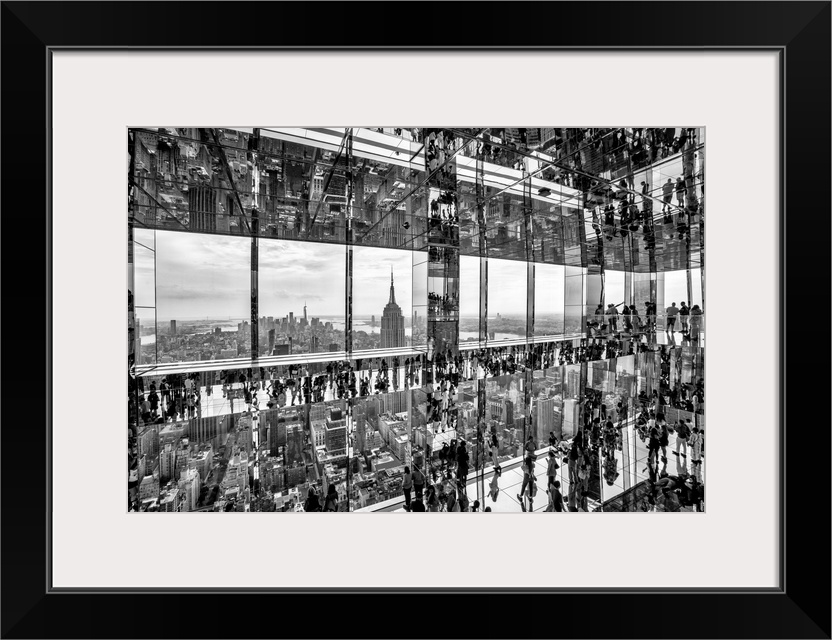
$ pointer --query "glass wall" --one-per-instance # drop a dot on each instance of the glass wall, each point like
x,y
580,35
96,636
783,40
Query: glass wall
x,y
421,302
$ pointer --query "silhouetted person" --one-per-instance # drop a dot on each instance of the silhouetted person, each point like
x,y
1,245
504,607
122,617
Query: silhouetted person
x,y
672,312
667,193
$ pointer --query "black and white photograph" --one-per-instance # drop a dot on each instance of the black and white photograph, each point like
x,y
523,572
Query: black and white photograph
x,y
365,280
413,319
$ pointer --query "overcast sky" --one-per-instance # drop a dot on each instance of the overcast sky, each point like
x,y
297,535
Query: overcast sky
x,y
199,275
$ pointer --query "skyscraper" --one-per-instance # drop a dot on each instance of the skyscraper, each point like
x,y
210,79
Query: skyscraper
x,y
392,321
202,208
360,422
545,419
167,462
149,442
294,443
304,312
336,433
173,327
190,486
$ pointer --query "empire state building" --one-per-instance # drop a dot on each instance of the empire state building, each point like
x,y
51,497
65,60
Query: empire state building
x,y
392,321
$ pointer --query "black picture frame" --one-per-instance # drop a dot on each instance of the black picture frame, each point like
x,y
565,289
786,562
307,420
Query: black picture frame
x,y
799,31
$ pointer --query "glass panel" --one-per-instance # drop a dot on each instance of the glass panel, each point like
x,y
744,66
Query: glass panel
x,y
144,276
574,296
382,296
301,301
696,287
419,300
507,300
146,349
469,299
549,300
202,297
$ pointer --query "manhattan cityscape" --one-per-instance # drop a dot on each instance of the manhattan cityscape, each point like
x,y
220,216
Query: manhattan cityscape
x,y
375,320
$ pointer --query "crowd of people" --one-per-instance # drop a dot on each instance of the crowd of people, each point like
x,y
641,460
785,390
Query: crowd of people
x,y
445,488
440,144
443,306
443,211
178,397
613,147
605,322
673,492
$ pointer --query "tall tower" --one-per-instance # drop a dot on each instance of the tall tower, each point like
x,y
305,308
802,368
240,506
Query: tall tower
x,y
202,208
304,311
392,321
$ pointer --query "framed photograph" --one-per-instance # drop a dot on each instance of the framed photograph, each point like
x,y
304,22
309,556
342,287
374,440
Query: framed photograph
x,y
383,260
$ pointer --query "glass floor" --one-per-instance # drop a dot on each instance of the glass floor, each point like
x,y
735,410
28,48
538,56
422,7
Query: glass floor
x,y
501,492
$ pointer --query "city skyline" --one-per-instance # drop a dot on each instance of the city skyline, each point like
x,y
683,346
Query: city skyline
x,y
248,394
194,271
